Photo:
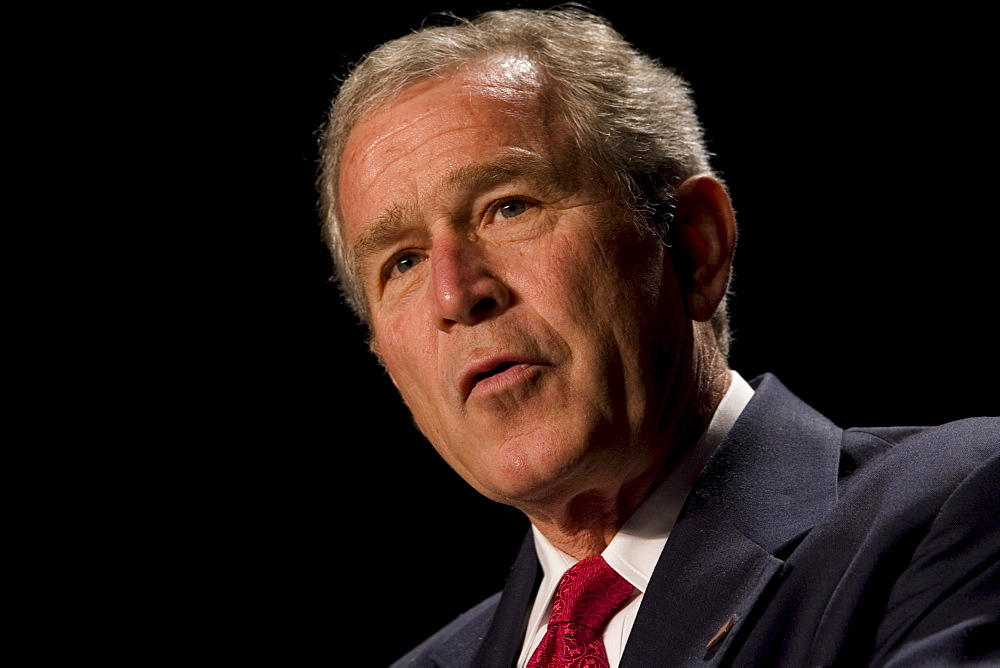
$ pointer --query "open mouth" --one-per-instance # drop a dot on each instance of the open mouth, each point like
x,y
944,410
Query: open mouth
x,y
497,373
499,368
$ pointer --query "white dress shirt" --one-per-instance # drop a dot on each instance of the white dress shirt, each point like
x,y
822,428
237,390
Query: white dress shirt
x,y
635,549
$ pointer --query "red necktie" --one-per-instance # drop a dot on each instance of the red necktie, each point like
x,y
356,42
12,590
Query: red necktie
x,y
588,594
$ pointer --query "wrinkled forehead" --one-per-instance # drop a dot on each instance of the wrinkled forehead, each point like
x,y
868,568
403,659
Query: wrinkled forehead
x,y
509,79
512,82
505,93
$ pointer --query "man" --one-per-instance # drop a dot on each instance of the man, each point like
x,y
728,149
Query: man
x,y
522,211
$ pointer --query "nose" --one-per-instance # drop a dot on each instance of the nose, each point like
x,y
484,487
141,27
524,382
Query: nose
x,y
466,290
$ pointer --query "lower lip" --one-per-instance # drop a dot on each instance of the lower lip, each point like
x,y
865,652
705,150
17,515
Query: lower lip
x,y
504,380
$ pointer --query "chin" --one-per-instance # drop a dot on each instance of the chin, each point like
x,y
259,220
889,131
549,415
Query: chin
x,y
534,468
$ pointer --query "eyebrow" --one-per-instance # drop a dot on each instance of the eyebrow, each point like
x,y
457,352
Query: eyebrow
x,y
386,228
473,178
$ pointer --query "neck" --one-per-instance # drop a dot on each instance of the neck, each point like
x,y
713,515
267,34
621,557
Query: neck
x,y
582,523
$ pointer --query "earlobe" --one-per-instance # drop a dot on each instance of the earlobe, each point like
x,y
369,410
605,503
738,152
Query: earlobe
x,y
706,234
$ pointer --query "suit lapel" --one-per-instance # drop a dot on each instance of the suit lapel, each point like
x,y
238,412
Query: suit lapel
x,y
690,603
770,481
502,642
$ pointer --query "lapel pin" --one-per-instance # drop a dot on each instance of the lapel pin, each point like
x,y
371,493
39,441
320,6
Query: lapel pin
x,y
721,633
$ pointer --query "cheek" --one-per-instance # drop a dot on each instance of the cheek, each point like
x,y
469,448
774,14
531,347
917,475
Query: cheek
x,y
409,359
559,279
588,281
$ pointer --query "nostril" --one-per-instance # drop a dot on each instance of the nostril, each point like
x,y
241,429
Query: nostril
x,y
485,305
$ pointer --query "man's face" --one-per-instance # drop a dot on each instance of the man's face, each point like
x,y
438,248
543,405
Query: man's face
x,y
530,329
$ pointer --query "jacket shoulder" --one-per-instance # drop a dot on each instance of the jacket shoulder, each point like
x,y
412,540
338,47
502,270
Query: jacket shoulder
x,y
975,431
457,643
915,531
958,447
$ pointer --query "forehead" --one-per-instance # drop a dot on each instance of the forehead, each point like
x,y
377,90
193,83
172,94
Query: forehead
x,y
398,154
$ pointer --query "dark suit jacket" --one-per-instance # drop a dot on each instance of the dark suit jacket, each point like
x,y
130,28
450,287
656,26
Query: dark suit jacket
x,y
823,546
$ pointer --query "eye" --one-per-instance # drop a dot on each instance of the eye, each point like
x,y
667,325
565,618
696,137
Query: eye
x,y
404,263
512,208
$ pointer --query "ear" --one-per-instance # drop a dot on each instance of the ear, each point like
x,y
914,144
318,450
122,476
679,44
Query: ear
x,y
706,234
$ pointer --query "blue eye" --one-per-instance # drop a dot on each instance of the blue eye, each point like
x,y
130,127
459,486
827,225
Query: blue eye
x,y
512,208
406,262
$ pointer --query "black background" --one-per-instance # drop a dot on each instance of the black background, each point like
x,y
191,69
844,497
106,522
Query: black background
x,y
859,149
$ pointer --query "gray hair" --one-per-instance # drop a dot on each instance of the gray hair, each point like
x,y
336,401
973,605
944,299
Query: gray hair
x,y
631,116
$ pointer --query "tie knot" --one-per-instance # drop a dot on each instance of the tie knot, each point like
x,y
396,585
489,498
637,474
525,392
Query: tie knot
x,y
589,593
